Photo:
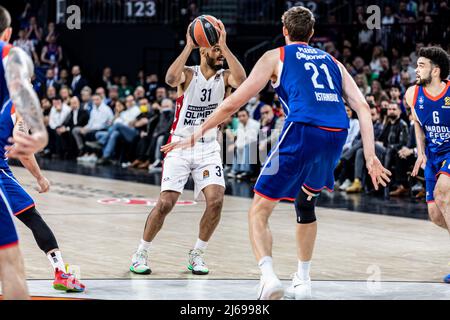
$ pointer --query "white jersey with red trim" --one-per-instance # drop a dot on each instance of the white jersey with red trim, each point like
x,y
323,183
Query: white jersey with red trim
x,y
199,100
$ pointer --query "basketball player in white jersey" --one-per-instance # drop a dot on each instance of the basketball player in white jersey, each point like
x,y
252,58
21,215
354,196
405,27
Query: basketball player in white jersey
x,y
201,89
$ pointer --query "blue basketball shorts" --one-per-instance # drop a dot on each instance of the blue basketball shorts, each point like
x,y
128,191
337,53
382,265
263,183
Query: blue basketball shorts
x,y
436,165
305,155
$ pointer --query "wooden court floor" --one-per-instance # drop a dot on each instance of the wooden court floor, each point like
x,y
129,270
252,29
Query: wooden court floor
x,y
98,228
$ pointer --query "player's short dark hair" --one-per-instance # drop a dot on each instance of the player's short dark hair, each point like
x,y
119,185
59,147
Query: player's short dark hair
x,y
299,22
439,57
5,19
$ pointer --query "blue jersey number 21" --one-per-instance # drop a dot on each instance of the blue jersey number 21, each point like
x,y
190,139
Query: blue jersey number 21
x,y
323,66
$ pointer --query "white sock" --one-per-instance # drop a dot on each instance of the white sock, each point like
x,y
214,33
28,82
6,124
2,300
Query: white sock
x,y
303,270
56,260
144,245
266,267
200,244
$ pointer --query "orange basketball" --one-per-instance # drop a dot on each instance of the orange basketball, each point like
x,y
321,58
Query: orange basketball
x,y
203,31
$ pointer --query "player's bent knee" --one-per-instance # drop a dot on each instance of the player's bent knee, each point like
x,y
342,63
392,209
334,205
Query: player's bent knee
x,y
41,231
441,196
436,216
215,204
305,205
164,206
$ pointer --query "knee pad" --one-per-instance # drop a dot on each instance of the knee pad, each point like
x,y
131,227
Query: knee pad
x,y
305,206
41,231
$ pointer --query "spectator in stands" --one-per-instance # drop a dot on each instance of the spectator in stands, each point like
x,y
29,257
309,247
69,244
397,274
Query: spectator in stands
x,y
78,117
58,114
160,94
353,130
34,31
124,89
405,81
152,83
63,79
352,160
50,80
51,93
385,73
361,82
27,46
51,54
404,160
100,118
160,134
101,92
65,94
51,31
139,93
107,81
113,95
78,81
123,127
375,64
140,79
245,146
86,99
395,79
268,121
406,67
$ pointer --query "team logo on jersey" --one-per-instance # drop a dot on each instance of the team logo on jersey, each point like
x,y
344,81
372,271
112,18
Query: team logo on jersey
x,y
421,101
217,77
205,174
446,103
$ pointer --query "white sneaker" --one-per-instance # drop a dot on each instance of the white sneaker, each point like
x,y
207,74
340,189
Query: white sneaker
x,y
299,289
196,263
82,158
92,158
347,183
271,289
139,263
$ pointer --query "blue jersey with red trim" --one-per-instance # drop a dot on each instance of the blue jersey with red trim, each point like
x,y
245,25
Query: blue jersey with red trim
x,y
433,114
7,112
309,87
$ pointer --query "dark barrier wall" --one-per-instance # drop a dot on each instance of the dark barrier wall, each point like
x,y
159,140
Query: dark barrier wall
x,y
125,49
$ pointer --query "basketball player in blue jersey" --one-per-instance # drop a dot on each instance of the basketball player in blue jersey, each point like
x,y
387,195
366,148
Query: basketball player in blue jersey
x,y
310,84
20,111
429,100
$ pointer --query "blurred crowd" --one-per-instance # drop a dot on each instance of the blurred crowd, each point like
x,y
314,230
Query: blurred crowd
x,y
122,122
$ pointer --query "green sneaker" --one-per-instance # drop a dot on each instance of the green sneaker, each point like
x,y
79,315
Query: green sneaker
x,y
196,263
139,263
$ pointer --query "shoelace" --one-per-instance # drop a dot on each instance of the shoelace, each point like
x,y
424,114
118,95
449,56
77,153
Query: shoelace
x,y
141,258
197,258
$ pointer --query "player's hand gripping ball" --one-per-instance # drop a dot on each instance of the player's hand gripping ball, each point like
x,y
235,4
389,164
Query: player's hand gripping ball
x,y
203,31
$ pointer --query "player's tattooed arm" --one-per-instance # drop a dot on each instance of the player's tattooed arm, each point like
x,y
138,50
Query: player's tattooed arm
x,y
18,73
19,70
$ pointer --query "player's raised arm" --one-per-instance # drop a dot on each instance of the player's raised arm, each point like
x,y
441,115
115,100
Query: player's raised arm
x,y
176,74
262,72
357,102
420,135
18,72
236,74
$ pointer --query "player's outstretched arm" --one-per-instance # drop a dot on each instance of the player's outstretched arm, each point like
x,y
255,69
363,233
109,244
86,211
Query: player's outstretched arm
x,y
262,72
357,102
18,72
420,135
